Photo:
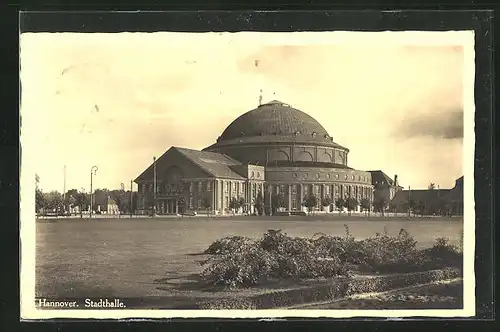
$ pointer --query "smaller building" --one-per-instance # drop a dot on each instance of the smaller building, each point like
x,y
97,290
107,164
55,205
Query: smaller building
x,y
435,201
103,203
384,188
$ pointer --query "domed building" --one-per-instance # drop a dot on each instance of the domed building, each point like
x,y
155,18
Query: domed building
x,y
275,150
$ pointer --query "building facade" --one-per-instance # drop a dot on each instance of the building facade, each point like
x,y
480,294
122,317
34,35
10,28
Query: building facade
x,y
385,188
437,201
275,151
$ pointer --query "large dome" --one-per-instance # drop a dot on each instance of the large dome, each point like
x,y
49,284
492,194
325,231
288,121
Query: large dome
x,y
274,119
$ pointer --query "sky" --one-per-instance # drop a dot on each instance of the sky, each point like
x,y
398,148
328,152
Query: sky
x,y
117,100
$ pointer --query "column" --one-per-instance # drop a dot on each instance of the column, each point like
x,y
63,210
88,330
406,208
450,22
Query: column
x,y
176,207
301,196
289,197
323,194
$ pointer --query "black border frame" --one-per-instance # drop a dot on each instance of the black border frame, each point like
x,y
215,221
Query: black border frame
x,y
373,20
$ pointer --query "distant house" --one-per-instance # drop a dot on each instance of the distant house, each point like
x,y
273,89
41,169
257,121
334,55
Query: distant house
x,y
384,188
112,207
103,203
430,201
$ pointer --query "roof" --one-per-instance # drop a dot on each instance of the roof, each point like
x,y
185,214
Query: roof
x,y
423,195
216,164
283,163
269,139
379,177
456,194
275,118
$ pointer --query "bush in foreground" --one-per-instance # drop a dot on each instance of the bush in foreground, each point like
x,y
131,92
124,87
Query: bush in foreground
x,y
230,244
242,262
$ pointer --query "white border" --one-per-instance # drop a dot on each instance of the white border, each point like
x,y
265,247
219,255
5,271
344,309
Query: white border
x,y
27,188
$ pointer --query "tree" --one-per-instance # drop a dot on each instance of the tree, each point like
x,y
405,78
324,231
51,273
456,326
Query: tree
x,y
259,204
277,201
206,204
339,204
351,204
420,208
326,201
53,201
310,201
365,205
379,205
393,207
181,203
233,204
122,199
431,186
40,202
241,202
409,206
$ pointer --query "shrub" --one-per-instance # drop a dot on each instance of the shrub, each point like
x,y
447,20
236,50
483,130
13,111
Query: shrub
x,y
299,258
241,262
443,254
230,244
384,253
345,248
240,268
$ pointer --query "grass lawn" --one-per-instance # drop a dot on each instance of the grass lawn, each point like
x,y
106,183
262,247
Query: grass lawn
x,y
147,257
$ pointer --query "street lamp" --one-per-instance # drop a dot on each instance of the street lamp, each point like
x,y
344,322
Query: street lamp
x,y
93,171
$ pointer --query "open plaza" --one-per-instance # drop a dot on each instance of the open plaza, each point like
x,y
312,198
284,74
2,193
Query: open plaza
x,y
156,257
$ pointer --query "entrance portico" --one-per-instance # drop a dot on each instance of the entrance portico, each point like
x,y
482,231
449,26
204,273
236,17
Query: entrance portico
x,y
168,205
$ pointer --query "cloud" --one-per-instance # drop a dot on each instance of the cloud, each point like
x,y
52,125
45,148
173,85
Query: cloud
x,y
440,125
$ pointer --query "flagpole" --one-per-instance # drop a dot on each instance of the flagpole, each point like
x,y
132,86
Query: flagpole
x,y
409,199
154,186
64,189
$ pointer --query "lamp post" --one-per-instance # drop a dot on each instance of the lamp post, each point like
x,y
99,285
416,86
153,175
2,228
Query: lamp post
x,y
131,196
93,171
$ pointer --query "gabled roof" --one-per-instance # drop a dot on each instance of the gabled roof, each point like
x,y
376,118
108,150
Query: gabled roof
x,y
215,164
380,178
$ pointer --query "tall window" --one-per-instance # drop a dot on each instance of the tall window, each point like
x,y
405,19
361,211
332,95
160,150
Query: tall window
x,y
294,204
318,190
200,186
294,189
282,189
226,186
209,186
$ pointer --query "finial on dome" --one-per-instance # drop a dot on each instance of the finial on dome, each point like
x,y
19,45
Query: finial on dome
x,y
260,98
